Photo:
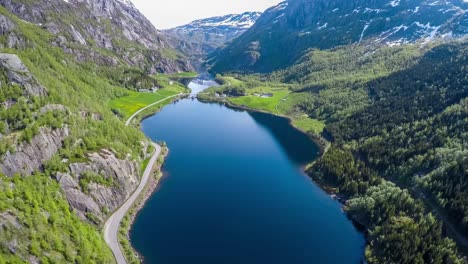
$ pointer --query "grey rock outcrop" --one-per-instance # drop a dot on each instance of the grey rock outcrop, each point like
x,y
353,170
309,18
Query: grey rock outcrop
x,y
100,199
30,157
17,73
7,30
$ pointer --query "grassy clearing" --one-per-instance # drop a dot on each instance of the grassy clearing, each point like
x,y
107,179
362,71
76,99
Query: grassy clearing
x,y
309,125
135,101
232,81
252,100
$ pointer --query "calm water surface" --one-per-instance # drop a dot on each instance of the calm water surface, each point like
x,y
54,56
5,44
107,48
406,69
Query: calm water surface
x,y
234,193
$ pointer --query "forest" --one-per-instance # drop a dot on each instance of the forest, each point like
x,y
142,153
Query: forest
x,y
412,133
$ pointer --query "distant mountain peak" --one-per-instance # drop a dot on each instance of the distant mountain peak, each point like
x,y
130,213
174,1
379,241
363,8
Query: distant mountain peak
x,y
205,35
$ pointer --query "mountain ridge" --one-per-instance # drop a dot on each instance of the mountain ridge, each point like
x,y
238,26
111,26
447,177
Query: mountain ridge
x,y
285,32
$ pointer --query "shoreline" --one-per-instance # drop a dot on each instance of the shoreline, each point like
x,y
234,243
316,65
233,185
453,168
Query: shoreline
x,y
113,223
320,141
150,188
123,220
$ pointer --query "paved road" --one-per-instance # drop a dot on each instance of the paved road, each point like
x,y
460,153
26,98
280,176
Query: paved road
x,y
146,107
111,227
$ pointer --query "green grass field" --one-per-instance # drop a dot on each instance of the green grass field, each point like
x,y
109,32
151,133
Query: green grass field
x,y
282,102
232,80
266,104
309,125
135,101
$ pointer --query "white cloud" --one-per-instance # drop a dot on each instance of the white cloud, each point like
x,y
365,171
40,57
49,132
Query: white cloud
x,y
170,13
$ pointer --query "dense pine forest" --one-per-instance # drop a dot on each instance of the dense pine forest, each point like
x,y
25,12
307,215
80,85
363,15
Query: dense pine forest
x,y
414,134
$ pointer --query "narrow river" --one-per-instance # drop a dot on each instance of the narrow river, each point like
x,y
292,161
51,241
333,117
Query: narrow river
x,y
234,193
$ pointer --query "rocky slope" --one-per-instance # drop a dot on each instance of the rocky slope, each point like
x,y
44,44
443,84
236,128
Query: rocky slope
x,y
98,187
107,32
285,32
29,157
66,159
203,36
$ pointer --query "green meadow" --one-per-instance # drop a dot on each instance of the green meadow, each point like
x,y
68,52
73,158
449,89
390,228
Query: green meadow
x,y
134,101
254,100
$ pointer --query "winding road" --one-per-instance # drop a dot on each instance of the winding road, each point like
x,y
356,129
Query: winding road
x,y
111,227
148,106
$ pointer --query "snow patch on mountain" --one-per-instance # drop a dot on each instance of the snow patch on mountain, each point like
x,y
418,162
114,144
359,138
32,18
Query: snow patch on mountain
x,y
234,21
205,35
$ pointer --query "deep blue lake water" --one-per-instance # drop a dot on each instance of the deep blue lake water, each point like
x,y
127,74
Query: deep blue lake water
x,y
234,193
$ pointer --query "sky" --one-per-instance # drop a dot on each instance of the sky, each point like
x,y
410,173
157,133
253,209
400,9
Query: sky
x,y
166,14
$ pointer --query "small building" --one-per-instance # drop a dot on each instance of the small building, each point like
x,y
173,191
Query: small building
x,y
267,95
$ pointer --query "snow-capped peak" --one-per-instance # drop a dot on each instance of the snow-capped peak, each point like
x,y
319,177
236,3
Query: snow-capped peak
x,y
235,21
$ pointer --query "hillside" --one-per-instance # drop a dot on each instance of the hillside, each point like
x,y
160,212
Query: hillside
x,y
284,33
67,158
412,134
105,32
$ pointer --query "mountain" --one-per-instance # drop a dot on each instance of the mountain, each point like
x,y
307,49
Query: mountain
x,y
285,32
203,36
106,32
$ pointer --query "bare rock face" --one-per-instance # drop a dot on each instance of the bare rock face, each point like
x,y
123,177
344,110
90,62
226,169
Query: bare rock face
x,y
30,157
7,29
121,177
18,74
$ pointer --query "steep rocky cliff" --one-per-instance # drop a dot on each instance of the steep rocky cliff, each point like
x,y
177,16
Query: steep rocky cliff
x,y
285,32
17,74
84,27
20,92
29,157
101,185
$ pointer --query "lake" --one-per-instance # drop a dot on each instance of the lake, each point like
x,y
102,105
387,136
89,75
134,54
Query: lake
x,y
234,192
